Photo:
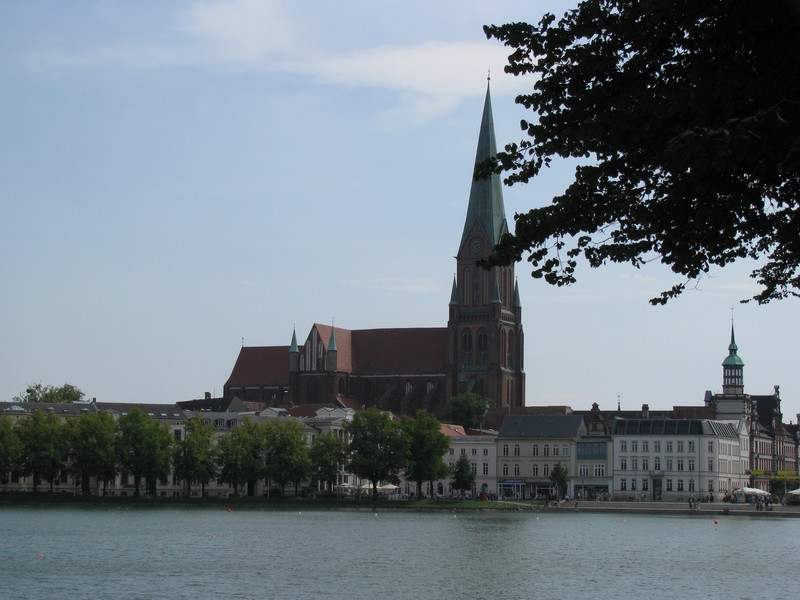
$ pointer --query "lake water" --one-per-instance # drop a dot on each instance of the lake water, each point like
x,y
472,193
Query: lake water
x,y
209,553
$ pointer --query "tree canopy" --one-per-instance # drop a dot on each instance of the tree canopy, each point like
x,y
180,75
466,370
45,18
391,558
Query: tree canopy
x,y
426,448
36,392
467,409
684,117
463,479
378,448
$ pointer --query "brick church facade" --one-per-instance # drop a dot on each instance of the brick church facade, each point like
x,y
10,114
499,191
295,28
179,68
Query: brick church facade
x,y
405,369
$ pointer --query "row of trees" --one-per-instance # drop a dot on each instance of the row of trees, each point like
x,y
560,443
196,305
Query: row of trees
x,y
95,446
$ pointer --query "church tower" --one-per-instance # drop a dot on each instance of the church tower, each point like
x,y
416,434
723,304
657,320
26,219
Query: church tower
x,y
485,338
733,370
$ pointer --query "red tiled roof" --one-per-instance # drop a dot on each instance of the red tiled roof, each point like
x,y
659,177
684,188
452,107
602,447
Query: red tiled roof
x,y
259,365
388,351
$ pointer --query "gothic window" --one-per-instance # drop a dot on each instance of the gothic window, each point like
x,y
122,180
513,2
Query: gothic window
x,y
341,386
483,345
476,288
466,348
502,346
428,386
409,387
510,350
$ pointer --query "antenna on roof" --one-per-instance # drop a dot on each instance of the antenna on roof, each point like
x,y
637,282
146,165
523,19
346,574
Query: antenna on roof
x,y
242,341
489,75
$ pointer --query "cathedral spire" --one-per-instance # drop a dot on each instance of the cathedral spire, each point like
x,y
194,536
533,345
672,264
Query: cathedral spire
x,y
486,195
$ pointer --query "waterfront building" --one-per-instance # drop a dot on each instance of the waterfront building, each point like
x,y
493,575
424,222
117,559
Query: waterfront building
x,y
772,446
480,447
529,446
678,459
402,370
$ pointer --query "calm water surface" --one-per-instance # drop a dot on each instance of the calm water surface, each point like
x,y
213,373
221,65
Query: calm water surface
x,y
204,553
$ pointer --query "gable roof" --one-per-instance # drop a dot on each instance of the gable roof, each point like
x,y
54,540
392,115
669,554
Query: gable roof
x,y
258,365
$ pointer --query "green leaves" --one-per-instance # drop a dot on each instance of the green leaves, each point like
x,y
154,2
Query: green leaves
x,y
686,119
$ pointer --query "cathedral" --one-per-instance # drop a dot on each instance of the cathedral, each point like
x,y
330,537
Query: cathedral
x,y
480,350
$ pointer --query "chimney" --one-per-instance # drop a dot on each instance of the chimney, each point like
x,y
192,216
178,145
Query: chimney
x,y
645,411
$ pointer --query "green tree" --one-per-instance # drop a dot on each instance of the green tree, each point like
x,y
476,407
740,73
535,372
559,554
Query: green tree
x,y
378,450
328,456
10,449
558,478
144,449
195,455
463,479
241,456
467,410
44,448
684,120
37,392
426,448
286,453
92,441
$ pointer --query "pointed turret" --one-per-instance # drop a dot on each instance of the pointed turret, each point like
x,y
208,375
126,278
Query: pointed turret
x,y
733,369
294,354
486,195
333,354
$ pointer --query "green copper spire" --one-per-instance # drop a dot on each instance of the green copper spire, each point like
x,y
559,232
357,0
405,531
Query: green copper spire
x,y
293,348
732,360
517,302
496,292
332,341
486,196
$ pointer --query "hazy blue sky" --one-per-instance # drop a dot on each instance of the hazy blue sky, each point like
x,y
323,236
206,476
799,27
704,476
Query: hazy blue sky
x,y
177,176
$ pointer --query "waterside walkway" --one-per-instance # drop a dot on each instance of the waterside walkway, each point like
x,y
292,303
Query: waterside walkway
x,y
710,509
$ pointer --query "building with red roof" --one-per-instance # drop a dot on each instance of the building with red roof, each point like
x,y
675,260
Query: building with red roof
x,y
480,349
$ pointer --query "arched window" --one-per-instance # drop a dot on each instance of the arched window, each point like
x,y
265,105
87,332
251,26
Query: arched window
x,y
502,346
547,449
341,386
510,350
409,387
483,345
505,470
466,347
428,386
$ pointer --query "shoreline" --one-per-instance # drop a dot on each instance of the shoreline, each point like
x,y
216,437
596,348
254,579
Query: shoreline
x,y
711,510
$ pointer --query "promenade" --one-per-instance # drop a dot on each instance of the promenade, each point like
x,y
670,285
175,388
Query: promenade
x,y
710,509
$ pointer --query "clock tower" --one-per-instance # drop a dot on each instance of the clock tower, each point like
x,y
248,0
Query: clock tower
x,y
485,338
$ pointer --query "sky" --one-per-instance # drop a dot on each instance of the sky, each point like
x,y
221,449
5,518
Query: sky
x,y
178,178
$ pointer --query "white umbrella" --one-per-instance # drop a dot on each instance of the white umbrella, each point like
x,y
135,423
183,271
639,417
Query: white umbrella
x,y
387,487
794,492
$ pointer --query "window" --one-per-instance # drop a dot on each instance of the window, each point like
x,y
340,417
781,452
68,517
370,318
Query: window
x,y
680,464
535,471
486,452
536,449
623,484
634,464
485,468
565,450
463,452
623,464
633,484
634,446
657,463
691,485
546,450
555,450
645,464
516,449
645,446
657,445
691,446
546,470
623,446
669,485
710,464
680,485
474,452
591,450
505,449
710,485
583,470
516,470
691,464
669,464
599,470
680,446
473,467
710,449
669,446
452,451
645,485
505,470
